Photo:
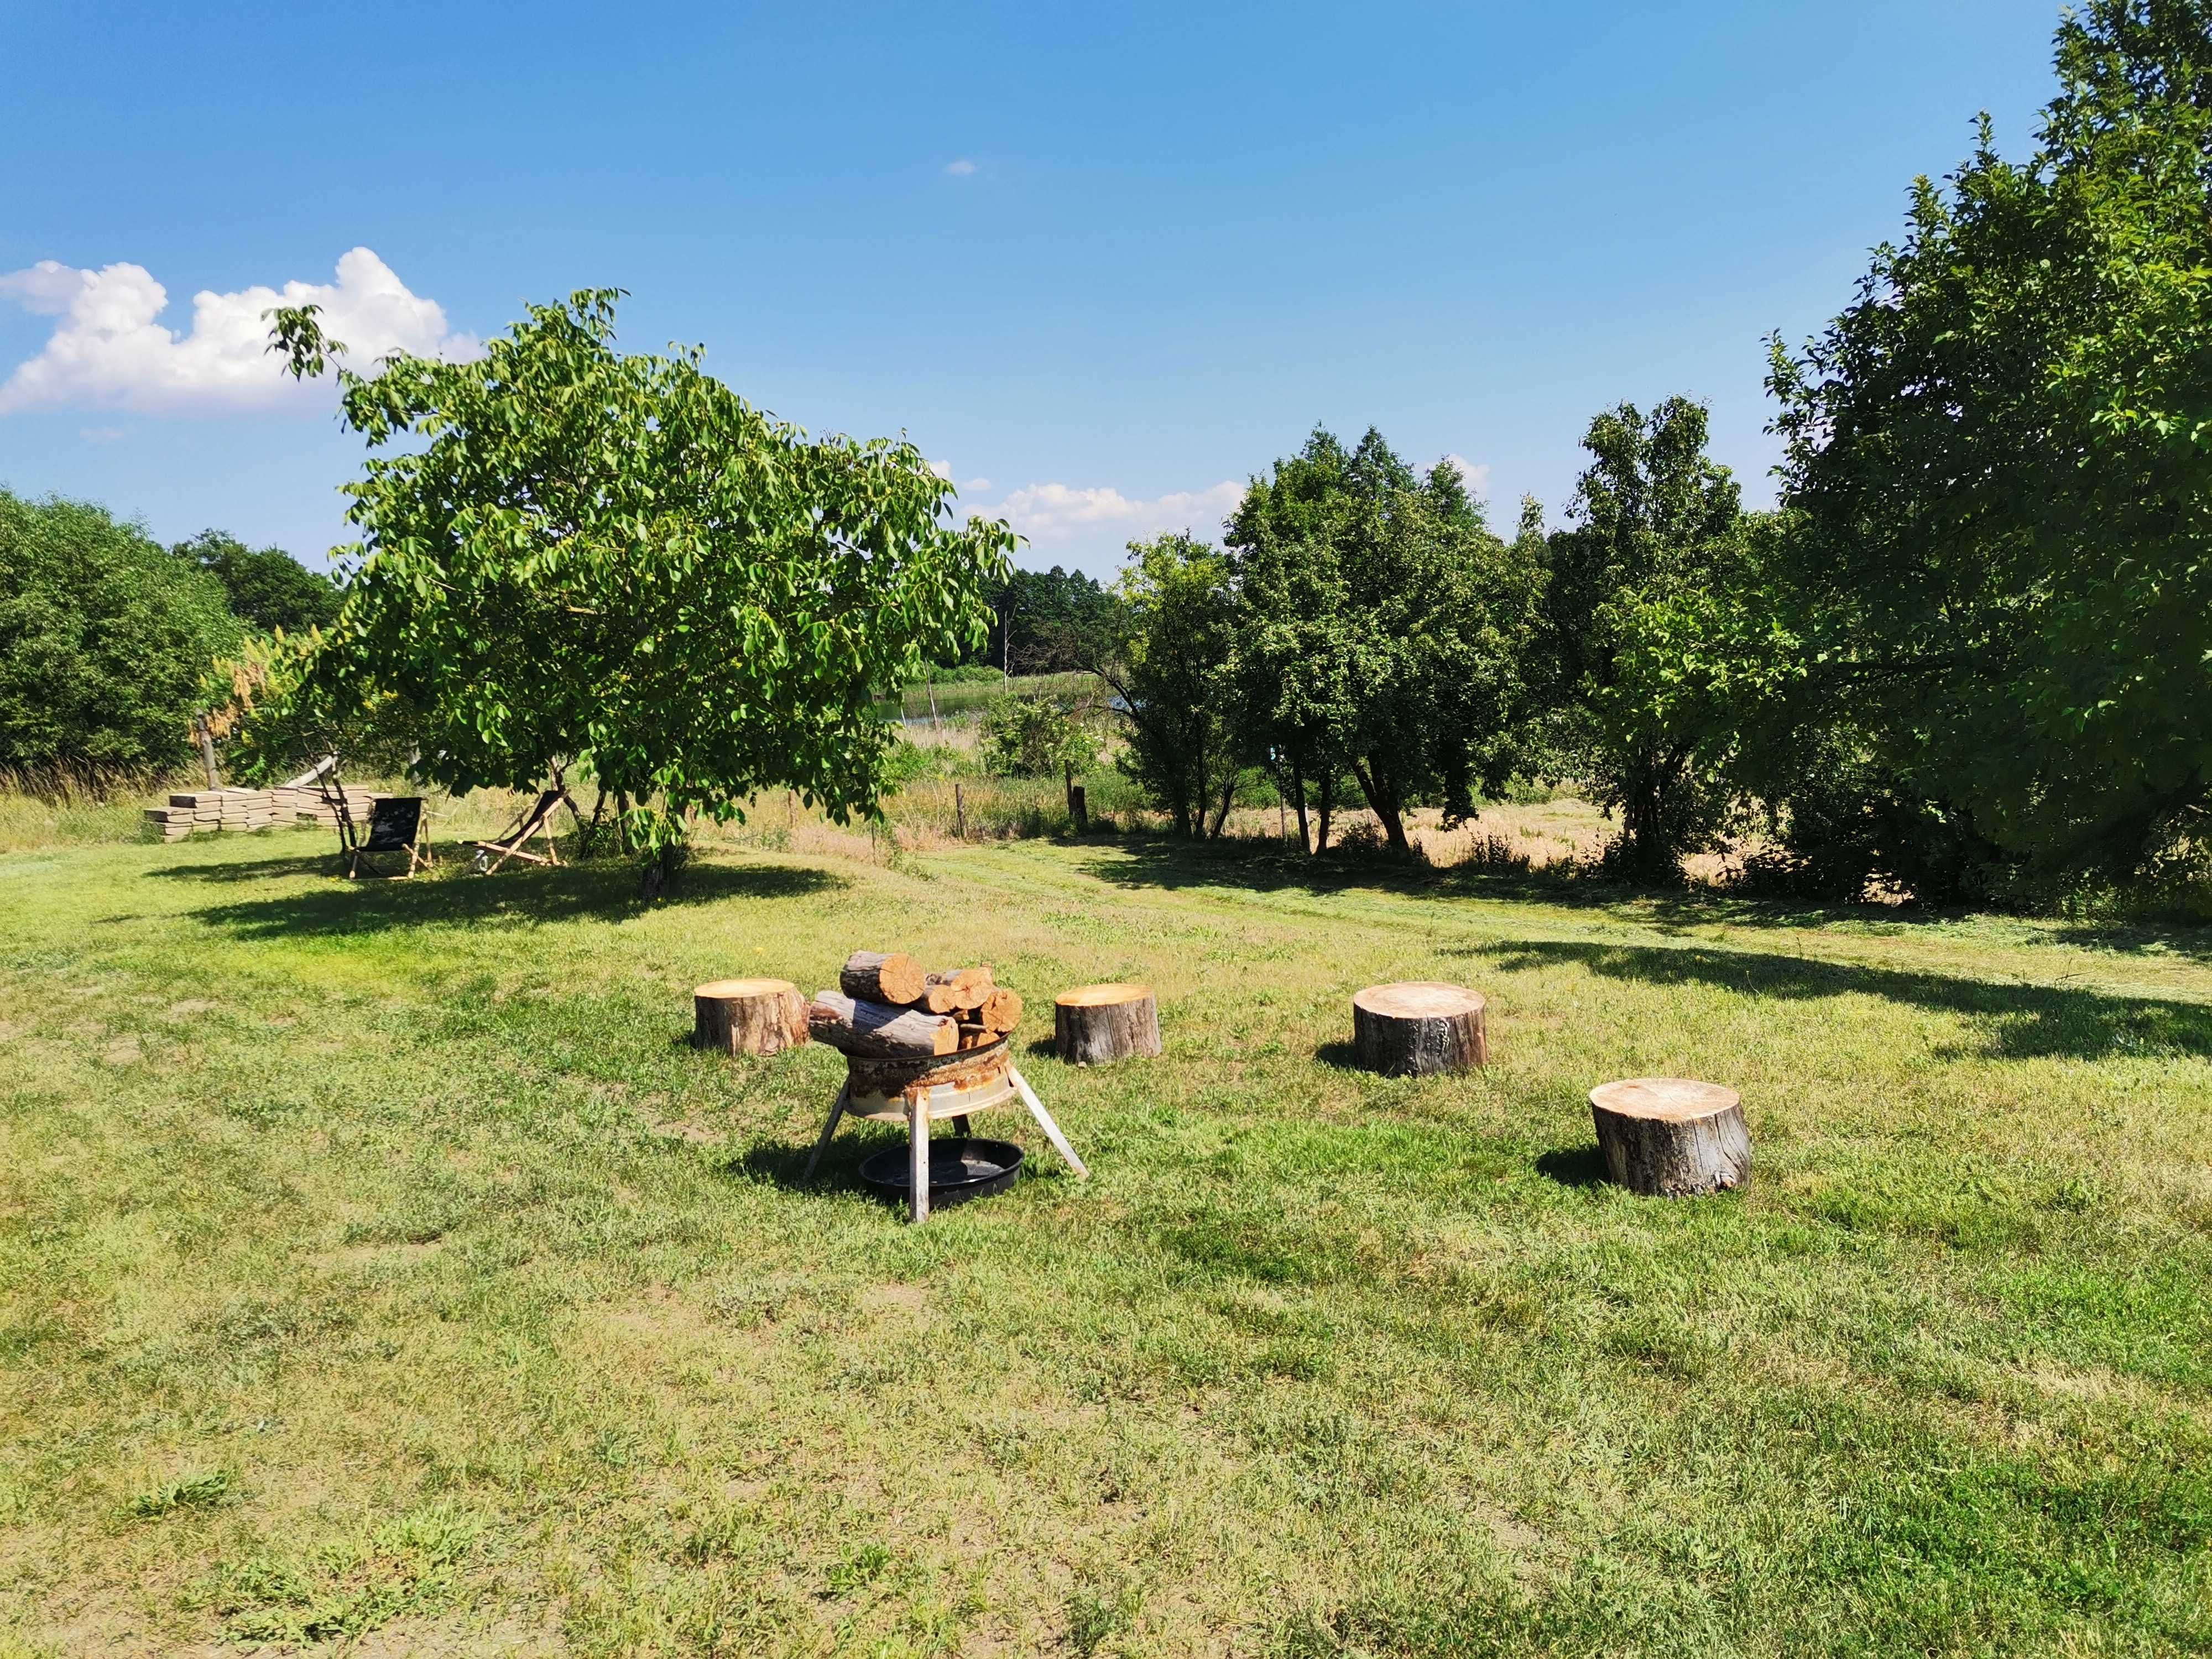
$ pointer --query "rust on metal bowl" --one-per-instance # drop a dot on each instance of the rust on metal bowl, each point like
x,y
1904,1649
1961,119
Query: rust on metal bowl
x,y
953,1085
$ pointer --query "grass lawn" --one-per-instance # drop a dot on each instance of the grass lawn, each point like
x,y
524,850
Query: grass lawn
x,y
379,1266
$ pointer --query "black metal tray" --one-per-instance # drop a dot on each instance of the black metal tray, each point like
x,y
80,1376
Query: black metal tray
x,y
960,1168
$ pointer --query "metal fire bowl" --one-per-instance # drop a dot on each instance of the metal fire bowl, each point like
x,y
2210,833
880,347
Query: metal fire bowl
x,y
953,1084
959,1168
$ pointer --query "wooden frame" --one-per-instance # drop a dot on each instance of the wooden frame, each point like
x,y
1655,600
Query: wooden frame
x,y
537,821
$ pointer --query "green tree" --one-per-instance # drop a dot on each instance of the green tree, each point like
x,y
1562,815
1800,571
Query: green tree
x,y
1044,622
1034,737
1171,674
581,556
1645,600
1382,629
103,638
268,587
2002,453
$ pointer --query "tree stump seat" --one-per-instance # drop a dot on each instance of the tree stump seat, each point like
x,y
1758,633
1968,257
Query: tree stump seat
x,y
748,1015
1098,1025
1671,1137
1418,1028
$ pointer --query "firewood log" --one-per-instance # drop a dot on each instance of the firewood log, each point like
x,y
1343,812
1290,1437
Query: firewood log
x,y
939,1000
1001,1010
876,1029
968,986
975,1036
891,977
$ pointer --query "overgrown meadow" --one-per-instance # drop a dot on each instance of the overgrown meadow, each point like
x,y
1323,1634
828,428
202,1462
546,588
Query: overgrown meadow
x,y
380,1266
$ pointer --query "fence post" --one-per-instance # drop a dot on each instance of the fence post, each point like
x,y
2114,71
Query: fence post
x,y
959,812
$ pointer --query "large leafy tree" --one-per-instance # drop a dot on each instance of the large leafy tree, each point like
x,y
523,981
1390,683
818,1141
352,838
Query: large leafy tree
x,y
268,588
1646,599
1384,629
572,555
1170,672
103,638
2002,452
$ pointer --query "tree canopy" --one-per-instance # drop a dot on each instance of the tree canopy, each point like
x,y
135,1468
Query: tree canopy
x,y
2001,456
104,638
266,586
584,556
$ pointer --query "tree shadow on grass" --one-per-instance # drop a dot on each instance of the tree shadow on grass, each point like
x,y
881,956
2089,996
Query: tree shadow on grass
x,y
518,899
2027,1021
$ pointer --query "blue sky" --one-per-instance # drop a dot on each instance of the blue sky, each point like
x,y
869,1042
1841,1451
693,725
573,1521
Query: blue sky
x,y
1102,261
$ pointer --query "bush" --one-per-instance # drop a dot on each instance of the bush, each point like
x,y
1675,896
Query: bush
x,y
104,636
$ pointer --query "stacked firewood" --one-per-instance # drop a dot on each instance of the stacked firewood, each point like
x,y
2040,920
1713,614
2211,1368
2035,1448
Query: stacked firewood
x,y
887,1006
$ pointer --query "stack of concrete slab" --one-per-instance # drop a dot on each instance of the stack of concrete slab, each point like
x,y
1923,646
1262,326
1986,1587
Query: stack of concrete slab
x,y
254,809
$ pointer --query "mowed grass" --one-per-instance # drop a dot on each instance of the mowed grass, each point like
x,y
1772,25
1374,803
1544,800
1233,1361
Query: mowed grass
x,y
380,1266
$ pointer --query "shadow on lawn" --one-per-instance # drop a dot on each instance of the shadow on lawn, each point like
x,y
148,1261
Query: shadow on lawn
x,y
517,899
2030,1021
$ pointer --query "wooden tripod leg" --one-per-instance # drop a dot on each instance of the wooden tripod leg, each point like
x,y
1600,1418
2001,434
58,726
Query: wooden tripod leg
x,y
1051,1129
917,1127
829,1128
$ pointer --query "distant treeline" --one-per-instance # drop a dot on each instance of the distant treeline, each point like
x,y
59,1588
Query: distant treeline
x,y
106,636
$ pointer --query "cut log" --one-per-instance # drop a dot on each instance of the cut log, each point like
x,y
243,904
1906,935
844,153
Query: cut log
x,y
1000,1012
1668,1137
1418,1027
968,986
975,1036
1098,1025
877,1029
939,1000
748,1016
891,977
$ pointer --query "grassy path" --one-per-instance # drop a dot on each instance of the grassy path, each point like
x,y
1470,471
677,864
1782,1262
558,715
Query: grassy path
x,y
377,1265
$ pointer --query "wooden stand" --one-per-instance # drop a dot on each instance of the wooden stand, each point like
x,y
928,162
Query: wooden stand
x,y
1668,1137
1098,1025
1418,1027
748,1015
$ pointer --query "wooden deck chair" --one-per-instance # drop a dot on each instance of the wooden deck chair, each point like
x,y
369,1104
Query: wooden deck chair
x,y
537,821
395,825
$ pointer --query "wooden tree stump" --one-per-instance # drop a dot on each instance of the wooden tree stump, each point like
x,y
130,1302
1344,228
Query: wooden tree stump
x,y
1668,1137
1418,1027
1098,1025
748,1016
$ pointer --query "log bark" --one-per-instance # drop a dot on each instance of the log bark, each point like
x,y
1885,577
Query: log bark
x,y
1418,1028
1000,1012
1669,1137
748,1015
968,986
1098,1025
891,977
875,1028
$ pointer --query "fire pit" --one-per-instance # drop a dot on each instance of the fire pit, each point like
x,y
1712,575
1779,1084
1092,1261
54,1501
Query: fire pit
x,y
905,1063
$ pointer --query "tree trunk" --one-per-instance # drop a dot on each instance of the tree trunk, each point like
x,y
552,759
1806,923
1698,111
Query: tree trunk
x,y
1668,1137
1097,1024
882,976
748,1016
200,730
1383,799
872,1029
1298,793
1327,806
660,872
1417,1028
1228,796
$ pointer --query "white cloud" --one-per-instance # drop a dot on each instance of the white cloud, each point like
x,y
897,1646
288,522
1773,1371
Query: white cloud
x,y
103,434
110,352
1091,527
962,168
